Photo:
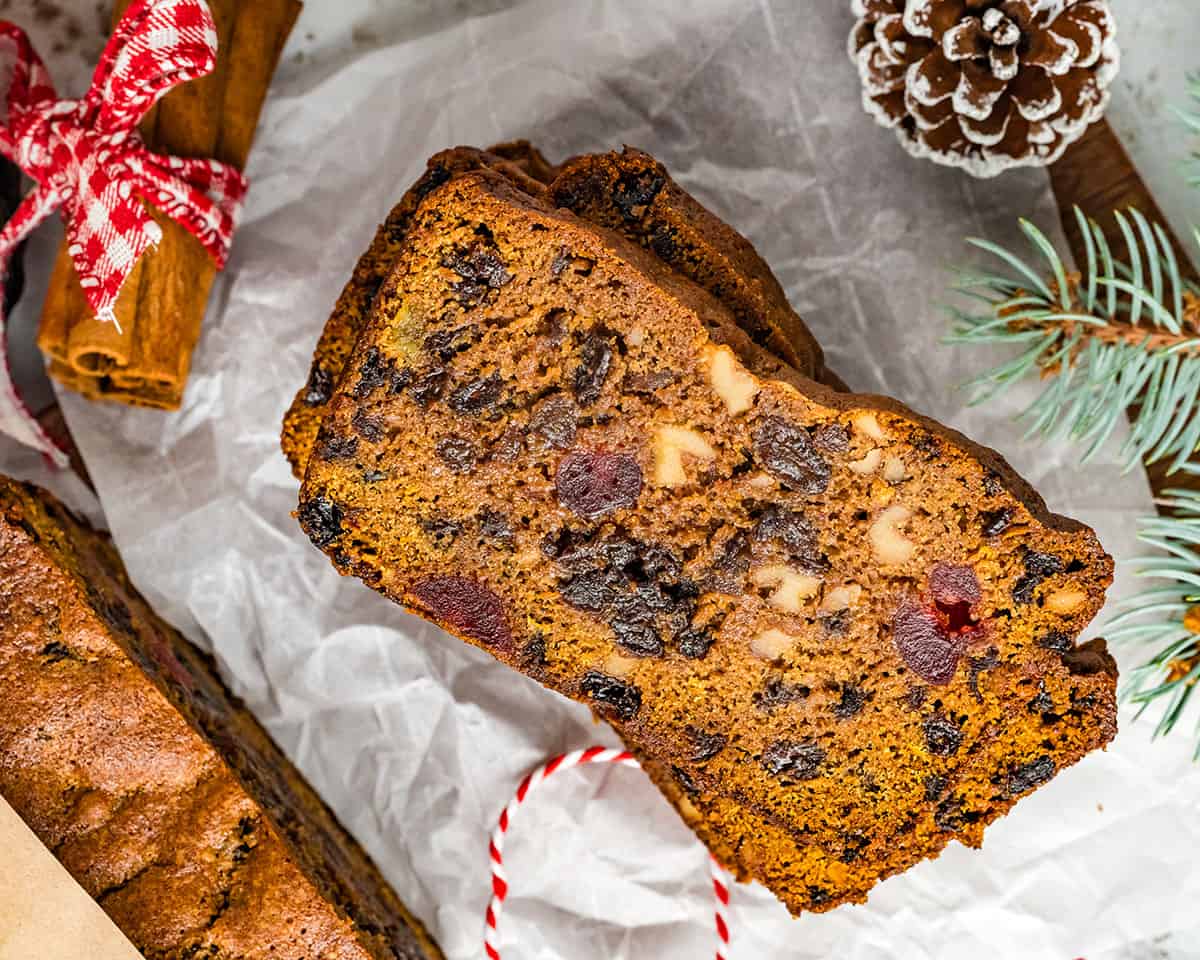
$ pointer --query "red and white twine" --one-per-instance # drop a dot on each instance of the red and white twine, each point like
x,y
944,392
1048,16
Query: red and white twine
x,y
566,761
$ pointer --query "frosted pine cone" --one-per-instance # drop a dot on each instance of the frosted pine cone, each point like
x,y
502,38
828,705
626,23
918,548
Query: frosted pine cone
x,y
985,84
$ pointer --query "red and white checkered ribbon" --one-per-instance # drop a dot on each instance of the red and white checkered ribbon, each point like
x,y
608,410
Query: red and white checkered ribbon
x,y
87,158
579,758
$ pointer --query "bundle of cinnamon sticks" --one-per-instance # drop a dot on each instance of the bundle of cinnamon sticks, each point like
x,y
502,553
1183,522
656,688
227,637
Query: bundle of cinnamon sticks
x,y
144,359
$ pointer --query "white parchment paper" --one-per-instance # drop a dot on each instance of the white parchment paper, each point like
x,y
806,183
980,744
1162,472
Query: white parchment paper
x,y
417,740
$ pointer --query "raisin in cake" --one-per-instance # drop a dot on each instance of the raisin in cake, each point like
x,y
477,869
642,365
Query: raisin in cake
x,y
841,634
628,190
157,790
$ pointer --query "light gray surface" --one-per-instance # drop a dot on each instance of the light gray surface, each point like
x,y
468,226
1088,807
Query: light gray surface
x,y
858,233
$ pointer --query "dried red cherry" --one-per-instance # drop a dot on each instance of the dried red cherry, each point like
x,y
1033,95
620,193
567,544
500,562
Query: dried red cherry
x,y
792,760
593,483
952,583
943,736
615,696
786,452
924,644
467,607
955,590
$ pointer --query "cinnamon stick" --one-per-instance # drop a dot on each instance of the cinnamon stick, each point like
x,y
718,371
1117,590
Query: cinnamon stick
x,y
161,308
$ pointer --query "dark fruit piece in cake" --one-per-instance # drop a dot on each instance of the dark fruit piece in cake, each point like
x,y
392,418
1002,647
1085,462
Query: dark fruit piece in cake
x,y
153,785
802,576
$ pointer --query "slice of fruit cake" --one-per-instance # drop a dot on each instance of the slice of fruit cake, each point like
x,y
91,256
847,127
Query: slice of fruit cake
x,y
840,634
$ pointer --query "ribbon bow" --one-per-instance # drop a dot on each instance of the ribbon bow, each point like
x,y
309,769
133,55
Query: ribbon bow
x,y
86,157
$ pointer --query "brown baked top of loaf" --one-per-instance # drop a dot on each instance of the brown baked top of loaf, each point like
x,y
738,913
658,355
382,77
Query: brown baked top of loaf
x,y
151,783
845,631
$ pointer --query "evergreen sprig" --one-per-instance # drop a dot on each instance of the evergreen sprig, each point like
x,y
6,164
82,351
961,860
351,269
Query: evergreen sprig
x,y
1115,336
1166,619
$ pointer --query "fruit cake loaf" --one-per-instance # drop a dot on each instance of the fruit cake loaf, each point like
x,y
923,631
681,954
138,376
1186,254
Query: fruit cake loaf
x,y
632,193
154,786
707,250
845,630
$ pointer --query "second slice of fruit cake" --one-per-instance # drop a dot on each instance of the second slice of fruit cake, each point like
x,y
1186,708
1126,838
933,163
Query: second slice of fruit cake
x,y
840,634
629,191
